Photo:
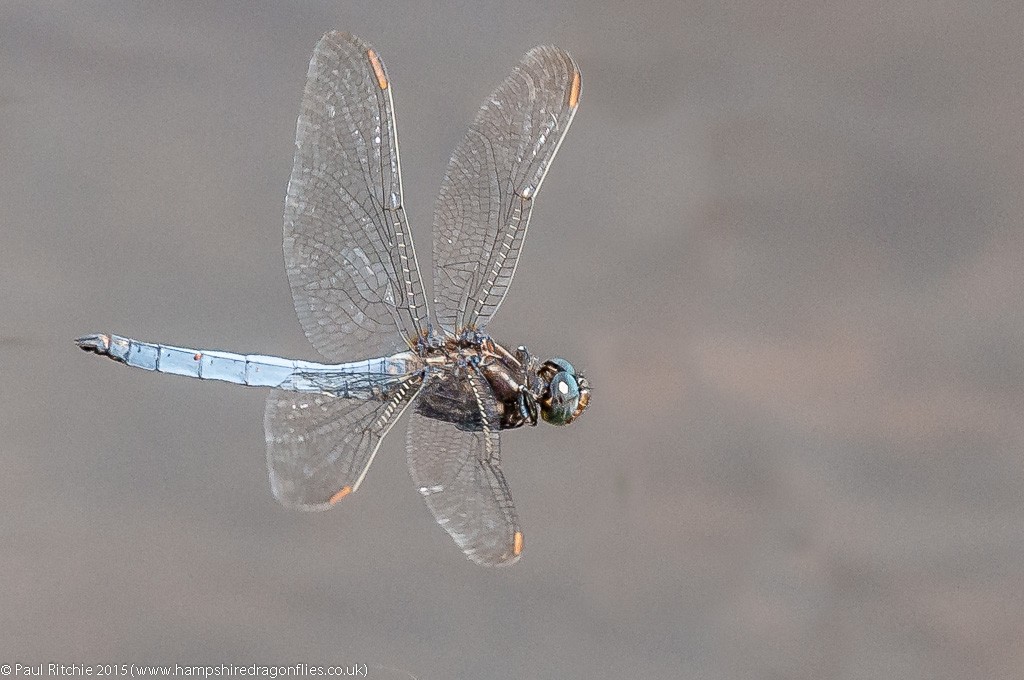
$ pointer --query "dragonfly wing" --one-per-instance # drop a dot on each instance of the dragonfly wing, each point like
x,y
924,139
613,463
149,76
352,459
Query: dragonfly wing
x,y
347,246
457,467
487,194
320,447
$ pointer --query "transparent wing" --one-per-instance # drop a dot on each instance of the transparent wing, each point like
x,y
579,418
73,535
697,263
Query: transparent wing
x,y
320,447
456,465
487,194
347,247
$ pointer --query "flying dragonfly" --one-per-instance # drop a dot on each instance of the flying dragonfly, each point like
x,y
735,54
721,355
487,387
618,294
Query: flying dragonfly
x,y
358,293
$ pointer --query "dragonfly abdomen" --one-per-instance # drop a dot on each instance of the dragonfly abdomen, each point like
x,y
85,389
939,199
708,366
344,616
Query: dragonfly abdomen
x,y
353,380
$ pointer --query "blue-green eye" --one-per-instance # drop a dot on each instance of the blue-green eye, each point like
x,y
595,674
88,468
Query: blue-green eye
x,y
561,365
564,392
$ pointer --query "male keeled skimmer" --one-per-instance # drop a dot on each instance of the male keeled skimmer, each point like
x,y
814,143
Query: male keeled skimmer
x,y
358,293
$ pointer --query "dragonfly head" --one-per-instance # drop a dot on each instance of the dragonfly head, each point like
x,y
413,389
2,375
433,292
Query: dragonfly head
x,y
566,392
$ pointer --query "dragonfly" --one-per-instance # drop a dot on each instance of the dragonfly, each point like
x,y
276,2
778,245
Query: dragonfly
x,y
358,293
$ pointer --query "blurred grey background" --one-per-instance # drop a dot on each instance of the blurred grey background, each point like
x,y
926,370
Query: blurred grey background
x,y
784,240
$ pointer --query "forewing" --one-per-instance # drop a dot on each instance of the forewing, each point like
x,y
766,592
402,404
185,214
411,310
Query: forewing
x,y
457,469
347,246
320,447
487,194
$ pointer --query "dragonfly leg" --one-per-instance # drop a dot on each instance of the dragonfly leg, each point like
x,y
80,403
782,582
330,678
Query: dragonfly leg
x,y
528,374
527,405
526,399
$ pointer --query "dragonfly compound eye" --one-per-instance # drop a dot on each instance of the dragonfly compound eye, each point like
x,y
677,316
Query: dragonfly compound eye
x,y
564,397
561,400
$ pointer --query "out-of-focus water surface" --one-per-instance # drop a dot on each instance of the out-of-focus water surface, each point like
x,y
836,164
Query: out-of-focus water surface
x,y
783,240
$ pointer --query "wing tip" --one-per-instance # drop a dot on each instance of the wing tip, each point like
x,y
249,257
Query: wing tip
x,y
487,558
340,39
341,493
541,53
286,495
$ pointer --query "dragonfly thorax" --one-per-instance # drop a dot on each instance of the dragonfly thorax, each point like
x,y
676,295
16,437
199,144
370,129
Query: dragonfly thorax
x,y
526,388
